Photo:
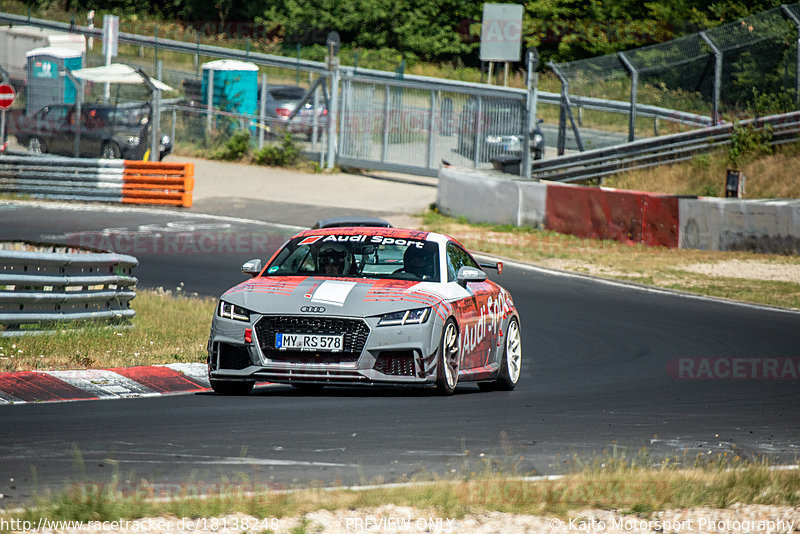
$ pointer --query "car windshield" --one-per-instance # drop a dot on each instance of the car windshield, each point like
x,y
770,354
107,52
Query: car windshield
x,y
369,256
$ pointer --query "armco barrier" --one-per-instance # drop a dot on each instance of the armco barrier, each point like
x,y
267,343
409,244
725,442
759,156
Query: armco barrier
x,y
44,287
768,226
100,180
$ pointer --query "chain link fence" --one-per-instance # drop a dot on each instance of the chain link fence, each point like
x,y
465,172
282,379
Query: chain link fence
x,y
718,72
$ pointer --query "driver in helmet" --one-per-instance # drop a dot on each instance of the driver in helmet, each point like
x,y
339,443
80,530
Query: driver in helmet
x,y
333,259
420,262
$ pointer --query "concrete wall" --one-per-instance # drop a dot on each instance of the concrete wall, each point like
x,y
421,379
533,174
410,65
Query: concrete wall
x,y
490,197
771,226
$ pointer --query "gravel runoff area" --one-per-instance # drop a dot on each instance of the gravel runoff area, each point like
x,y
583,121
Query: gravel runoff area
x,y
395,519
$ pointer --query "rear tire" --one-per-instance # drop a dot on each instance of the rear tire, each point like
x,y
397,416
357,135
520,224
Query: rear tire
x,y
36,146
111,151
508,375
233,388
449,359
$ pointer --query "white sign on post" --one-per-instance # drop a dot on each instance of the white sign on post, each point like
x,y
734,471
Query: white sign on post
x,y
501,32
110,36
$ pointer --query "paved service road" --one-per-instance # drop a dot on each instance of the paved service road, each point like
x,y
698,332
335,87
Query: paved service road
x,y
596,376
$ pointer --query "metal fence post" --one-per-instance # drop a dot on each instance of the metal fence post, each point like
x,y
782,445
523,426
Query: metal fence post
x,y
262,111
386,111
209,101
717,76
155,135
476,143
315,121
530,110
333,116
432,130
634,87
796,21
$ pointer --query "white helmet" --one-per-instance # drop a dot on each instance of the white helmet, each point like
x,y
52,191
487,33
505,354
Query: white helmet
x,y
334,254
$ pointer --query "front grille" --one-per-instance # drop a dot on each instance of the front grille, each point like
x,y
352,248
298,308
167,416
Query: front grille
x,y
355,333
232,356
395,362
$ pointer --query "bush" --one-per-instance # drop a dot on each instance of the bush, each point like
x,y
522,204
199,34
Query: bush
x,y
748,143
285,154
236,148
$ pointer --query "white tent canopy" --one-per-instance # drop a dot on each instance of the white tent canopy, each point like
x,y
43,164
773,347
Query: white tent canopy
x,y
117,73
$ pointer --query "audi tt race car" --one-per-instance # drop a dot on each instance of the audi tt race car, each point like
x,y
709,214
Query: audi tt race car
x,y
366,306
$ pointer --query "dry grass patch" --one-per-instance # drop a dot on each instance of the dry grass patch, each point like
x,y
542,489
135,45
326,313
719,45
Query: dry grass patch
x,y
771,176
166,329
630,487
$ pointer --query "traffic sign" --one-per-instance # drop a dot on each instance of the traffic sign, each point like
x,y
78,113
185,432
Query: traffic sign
x,y
7,96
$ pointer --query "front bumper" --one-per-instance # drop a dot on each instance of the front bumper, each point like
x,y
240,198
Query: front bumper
x,y
391,355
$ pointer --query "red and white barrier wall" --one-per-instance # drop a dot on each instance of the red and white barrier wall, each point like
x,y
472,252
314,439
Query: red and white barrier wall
x,y
625,216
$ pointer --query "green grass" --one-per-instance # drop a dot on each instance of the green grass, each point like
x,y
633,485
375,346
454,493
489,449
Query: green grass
x,y
168,328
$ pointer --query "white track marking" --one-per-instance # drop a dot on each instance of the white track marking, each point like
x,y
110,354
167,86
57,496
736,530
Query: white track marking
x,y
102,383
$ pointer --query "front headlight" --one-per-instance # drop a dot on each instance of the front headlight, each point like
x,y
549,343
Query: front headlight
x,y
417,316
133,140
494,139
232,311
537,138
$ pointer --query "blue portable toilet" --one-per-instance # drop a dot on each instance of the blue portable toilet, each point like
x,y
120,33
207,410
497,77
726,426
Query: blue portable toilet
x,y
235,85
45,85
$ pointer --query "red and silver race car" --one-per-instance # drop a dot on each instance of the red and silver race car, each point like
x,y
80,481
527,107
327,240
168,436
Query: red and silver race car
x,y
366,305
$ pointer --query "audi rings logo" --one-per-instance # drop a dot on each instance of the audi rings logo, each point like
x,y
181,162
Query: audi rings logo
x,y
313,309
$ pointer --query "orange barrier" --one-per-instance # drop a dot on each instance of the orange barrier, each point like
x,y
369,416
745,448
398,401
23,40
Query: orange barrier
x,y
153,182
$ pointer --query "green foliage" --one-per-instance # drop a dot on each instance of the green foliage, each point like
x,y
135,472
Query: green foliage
x,y
782,101
235,149
748,143
285,154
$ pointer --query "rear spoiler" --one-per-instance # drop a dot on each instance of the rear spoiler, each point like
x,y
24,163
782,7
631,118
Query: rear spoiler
x,y
497,266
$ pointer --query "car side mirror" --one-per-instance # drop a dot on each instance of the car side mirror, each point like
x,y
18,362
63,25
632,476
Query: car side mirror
x,y
469,274
252,267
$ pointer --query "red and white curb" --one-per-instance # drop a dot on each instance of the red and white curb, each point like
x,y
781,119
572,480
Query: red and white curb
x,y
122,382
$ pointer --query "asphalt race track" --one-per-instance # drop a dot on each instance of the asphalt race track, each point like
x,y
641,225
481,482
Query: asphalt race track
x,y
598,376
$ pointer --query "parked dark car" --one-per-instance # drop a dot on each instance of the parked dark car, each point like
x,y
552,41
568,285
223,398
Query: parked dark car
x,y
501,130
282,100
106,131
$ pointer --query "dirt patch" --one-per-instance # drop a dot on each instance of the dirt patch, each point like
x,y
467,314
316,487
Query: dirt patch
x,y
751,270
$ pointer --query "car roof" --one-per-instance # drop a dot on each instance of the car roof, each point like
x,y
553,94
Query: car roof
x,y
351,221
401,233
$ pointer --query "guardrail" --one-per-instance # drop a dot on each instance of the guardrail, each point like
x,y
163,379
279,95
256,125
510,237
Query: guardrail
x,y
595,164
129,182
39,288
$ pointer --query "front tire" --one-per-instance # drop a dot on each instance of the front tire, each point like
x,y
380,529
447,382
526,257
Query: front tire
x,y
449,359
232,388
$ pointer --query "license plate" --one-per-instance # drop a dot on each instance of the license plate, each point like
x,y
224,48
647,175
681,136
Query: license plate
x,y
316,342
